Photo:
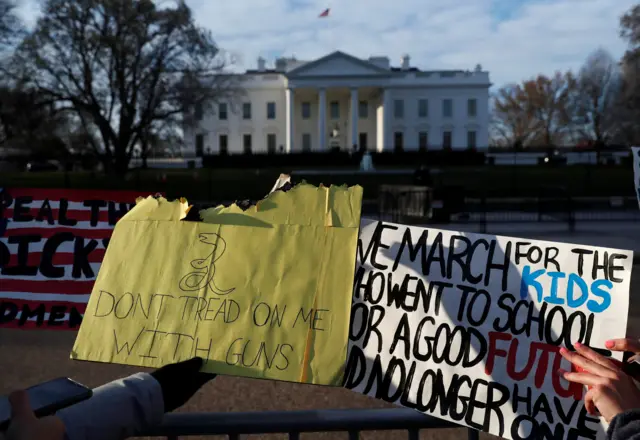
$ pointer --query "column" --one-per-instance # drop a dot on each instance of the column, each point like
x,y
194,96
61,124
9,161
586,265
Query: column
x,y
383,123
354,118
387,113
322,114
290,135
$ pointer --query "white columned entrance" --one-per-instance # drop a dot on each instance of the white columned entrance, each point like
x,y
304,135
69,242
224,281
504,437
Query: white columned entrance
x,y
354,118
387,136
290,135
322,114
383,122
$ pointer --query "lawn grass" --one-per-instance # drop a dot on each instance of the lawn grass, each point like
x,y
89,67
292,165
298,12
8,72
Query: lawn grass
x,y
232,184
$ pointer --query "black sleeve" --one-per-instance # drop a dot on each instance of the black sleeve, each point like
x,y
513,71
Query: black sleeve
x,y
625,426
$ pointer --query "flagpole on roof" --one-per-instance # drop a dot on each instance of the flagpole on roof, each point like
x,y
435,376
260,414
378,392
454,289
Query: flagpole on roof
x,y
326,14
332,34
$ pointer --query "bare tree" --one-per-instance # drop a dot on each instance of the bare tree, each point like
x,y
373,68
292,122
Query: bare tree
x,y
630,27
30,122
124,68
162,140
595,97
11,27
548,103
627,109
534,112
512,123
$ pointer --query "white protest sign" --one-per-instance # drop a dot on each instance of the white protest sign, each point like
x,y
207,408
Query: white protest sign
x,y
467,327
635,151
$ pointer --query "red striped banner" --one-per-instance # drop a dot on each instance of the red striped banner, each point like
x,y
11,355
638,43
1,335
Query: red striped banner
x,y
98,234
52,215
52,242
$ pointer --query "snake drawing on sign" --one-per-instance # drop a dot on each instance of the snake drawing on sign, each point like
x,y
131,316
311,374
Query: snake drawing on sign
x,y
205,268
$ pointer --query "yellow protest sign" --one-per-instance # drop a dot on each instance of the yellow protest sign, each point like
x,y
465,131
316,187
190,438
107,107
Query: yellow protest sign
x,y
261,293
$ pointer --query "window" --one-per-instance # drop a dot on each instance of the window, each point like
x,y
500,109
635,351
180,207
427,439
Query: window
x,y
306,110
246,110
306,142
423,140
447,108
398,141
398,109
472,108
363,109
423,108
222,111
222,144
246,143
199,145
271,110
472,139
198,112
271,143
334,108
446,139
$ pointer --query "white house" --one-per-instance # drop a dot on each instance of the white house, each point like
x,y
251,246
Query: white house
x,y
343,101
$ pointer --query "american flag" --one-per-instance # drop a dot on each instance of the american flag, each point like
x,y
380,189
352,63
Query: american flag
x,y
52,242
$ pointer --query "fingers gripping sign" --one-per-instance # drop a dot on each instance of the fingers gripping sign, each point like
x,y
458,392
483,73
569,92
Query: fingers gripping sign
x,y
630,346
624,344
611,391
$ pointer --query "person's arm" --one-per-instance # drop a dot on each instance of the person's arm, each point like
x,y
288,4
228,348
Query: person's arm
x,y
117,410
625,426
126,407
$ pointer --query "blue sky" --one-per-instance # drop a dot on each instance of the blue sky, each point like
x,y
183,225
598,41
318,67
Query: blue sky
x,y
502,10
513,39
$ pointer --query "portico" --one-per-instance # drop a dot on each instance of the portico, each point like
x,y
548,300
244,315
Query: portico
x,y
322,118
346,95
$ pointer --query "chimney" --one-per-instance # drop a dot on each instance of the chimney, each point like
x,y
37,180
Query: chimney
x,y
261,64
405,62
281,64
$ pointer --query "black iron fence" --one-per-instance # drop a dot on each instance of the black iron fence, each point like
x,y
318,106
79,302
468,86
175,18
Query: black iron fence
x,y
294,423
422,207
388,157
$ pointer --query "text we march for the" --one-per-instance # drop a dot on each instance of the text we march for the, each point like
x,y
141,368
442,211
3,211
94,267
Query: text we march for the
x,y
467,327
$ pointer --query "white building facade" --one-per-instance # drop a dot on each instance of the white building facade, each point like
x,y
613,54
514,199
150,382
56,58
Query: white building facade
x,y
340,101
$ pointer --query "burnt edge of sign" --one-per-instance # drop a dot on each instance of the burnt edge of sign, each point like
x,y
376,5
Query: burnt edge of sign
x,y
194,212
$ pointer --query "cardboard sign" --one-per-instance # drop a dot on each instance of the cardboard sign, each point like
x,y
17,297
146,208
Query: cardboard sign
x,y
51,244
467,327
261,293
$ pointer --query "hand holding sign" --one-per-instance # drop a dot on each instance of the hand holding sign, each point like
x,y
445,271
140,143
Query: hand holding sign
x,y
611,391
180,381
628,345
